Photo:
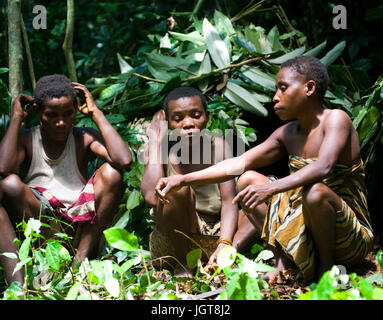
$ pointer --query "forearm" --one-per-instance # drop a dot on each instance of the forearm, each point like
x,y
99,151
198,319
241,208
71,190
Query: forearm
x,y
9,147
229,220
154,170
220,172
312,173
117,149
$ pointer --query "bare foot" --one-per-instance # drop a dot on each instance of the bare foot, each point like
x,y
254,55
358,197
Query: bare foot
x,y
283,263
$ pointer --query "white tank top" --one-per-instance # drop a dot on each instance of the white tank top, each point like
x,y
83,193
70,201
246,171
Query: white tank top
x,y
61,177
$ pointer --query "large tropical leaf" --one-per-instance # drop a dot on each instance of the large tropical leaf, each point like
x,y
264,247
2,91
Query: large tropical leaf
x,y
290,55
333,54
218,50
243,98
258,76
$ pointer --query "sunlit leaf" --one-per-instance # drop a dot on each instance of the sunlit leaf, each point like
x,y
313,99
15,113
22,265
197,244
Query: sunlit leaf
x,y
244,99
216,46
192,257
121,239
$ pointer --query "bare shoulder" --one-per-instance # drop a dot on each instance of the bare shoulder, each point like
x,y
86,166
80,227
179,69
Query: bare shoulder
x,y
285,131
337,118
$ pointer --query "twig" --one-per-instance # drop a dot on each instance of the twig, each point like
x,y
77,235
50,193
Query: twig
x,y
197,244
147,78
146,268
231,66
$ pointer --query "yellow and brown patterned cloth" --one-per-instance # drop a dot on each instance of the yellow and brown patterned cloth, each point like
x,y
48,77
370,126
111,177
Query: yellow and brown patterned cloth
x,y
284,223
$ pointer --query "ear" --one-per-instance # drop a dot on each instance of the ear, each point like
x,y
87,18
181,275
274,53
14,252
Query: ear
x,y
310,87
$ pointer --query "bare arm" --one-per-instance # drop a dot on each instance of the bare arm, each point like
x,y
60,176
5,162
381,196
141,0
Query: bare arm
x,y
154,170
264,154
111,147
12,151
337,130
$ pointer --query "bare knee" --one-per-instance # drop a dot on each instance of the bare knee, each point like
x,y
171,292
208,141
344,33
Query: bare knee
x,y
109,176
11,186
250,177
318,195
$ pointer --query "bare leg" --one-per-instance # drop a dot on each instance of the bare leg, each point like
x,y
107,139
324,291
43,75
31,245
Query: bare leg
x,y
250,224
180,215
256,218
108,192
320,205
19,202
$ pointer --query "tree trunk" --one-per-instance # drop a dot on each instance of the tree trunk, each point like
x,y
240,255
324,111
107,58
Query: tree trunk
x,y
15,49
67,45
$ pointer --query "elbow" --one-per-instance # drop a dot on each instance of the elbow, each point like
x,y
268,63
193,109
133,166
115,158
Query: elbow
x,y
124,162
149,197
326,169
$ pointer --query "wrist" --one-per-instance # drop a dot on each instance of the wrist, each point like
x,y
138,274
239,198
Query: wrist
x,y
97,114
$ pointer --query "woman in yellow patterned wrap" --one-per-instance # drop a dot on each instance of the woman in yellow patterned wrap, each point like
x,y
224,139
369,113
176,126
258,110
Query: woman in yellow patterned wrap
x,y
317,216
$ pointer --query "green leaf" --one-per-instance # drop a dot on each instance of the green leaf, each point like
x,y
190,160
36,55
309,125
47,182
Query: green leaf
x,y
121,239
273,38
73,292
218,50
226,257
290,55
33,225
315,51
4,70
194,37
112,91
133,199
192,257
52,253
24,249
244,43
260,77
264,255
376,278
115,118
333,54
369,119
10,255
244,99
124,66
165,67
223,23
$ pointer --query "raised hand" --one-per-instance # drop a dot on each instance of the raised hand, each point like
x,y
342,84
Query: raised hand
x,y
89,107
22,105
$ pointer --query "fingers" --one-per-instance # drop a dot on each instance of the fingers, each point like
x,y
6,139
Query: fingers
x,y
161,191
238,197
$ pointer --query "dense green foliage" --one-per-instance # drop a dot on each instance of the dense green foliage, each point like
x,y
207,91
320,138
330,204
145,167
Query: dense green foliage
x,y
130,56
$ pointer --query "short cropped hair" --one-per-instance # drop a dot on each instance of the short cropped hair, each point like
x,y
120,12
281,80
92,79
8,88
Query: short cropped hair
x,y
313,69
53,86
184,92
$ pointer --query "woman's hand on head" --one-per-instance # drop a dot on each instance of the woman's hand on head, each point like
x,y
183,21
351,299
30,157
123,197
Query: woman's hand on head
x,y
89,107
22,105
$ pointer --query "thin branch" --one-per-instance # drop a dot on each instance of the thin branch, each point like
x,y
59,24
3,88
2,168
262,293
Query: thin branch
x,y
67,45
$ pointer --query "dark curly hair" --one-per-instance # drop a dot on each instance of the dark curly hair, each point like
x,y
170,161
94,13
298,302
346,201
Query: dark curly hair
x,y
313,69
183,92
53,86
